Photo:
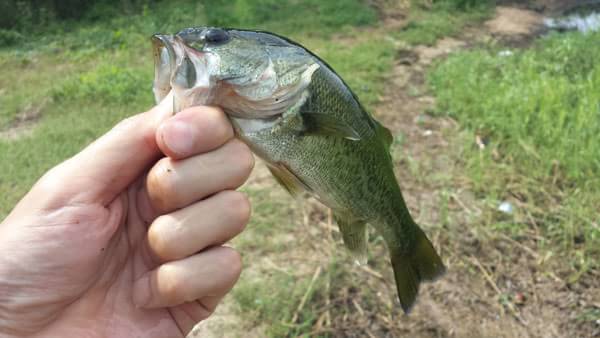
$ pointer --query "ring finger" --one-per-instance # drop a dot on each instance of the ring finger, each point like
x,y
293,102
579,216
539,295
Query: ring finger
x,y
211,273
210,222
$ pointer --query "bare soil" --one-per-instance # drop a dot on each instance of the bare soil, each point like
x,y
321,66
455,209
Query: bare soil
x,y
496,286
23,123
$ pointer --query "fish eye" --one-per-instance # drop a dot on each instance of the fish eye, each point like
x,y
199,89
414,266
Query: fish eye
x,y
215,35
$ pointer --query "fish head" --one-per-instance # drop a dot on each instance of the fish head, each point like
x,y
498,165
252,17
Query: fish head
x,y
252,75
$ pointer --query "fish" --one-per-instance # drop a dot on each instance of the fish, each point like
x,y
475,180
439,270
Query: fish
x,y
299,116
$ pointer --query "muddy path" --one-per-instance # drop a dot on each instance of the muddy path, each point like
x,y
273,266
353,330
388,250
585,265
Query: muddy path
x,y
496,286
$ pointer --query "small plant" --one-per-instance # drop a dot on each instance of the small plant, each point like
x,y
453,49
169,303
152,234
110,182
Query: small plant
x,y
465,4
432,20
107,83
9,37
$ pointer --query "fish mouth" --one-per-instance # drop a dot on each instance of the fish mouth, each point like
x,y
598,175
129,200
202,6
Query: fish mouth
x,y
181,69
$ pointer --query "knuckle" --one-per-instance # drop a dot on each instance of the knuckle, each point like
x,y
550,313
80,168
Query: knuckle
x,y
243,156
213,119
218,123
158,237
232,260
206,311
240,207
171,286
162,185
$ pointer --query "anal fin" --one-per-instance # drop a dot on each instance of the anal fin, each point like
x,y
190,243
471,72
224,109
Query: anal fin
x,y
354,234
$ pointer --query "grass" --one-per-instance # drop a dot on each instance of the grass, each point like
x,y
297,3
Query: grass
x,y
538,110
430,21
285,291
290,17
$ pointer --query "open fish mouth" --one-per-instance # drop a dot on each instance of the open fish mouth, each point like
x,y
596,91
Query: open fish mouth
x,y
248,78
164,64
181,69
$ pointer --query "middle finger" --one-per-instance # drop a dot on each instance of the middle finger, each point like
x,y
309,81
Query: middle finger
x,y
173,184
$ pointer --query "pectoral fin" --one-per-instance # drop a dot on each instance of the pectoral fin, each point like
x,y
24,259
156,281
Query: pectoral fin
x,y
325,124
292,183
354,233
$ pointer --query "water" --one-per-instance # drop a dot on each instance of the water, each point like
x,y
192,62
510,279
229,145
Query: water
x,y
584,23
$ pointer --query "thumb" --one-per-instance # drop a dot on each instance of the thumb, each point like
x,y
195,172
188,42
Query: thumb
x,y
111,163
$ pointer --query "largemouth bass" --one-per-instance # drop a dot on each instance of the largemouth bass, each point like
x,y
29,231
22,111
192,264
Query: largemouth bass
x,y
301,118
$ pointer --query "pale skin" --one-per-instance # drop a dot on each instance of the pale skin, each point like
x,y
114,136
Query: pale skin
x,y
126,238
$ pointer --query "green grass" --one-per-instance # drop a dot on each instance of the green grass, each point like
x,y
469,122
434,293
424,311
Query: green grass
x,y
540,111
266,295
286,295
316,17
429,22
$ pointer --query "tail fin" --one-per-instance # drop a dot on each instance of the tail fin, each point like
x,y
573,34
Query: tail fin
x,y
421,264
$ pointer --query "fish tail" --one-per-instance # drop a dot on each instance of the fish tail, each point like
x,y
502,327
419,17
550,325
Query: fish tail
x,y
422,263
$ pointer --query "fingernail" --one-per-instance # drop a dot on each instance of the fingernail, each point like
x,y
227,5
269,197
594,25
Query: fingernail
x,y
179,137
141,292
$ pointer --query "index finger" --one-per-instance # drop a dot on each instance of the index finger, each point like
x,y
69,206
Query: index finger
x,y
193,131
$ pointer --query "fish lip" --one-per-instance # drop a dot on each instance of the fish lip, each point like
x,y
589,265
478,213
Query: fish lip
x,y
162,78
172,52
159,41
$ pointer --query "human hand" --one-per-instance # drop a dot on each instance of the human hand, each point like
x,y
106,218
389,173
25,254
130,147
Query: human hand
x,y
103,247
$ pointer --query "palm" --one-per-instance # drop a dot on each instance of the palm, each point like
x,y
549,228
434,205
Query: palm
x,y
102,286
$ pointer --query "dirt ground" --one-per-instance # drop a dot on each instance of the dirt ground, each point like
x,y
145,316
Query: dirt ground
x,y
496,286
482,267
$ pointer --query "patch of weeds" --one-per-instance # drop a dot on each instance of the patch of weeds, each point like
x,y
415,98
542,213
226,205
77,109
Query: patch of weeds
x,y
431,21
26,82
290,17
539,112
541,105
271,220
9,37
590,315
291,304
110,30
108,83
274,299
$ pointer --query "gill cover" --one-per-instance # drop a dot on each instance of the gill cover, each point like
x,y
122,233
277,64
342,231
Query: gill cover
x,y
252,75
